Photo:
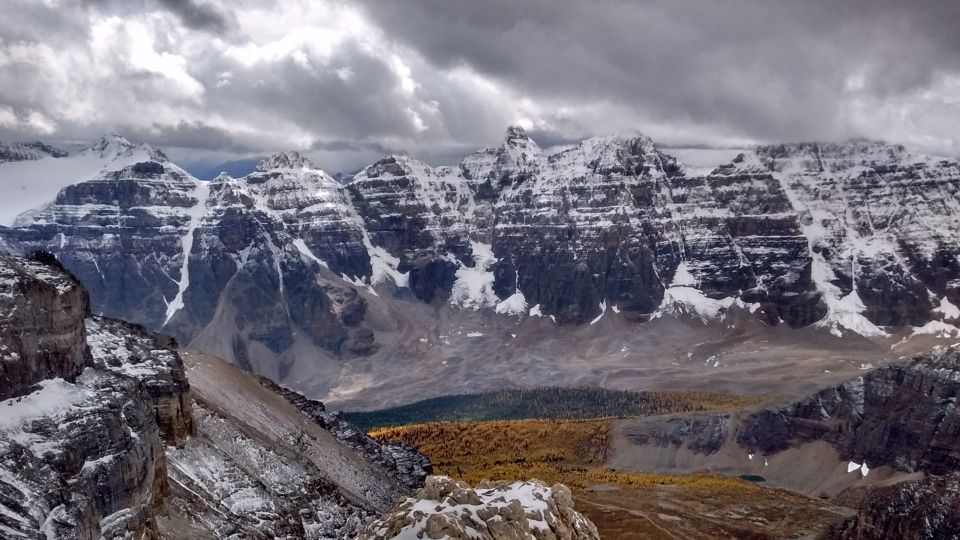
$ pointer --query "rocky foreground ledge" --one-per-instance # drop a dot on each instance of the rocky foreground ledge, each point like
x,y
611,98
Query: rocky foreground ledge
x,y
446,508
109,431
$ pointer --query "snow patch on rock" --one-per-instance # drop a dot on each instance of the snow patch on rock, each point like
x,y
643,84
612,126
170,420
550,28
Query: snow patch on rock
x,y
515,304
683,297
844,312
195,214
515,510
384,265
473,288
937,329
603,309
947,309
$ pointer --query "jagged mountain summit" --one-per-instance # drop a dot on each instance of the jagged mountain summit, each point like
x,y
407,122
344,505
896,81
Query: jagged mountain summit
x,y
34,172
288,263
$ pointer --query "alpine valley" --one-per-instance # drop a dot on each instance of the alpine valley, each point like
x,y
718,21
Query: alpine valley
x,y
602,263
172,348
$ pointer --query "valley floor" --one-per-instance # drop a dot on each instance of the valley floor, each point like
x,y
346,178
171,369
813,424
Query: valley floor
x,y
622,504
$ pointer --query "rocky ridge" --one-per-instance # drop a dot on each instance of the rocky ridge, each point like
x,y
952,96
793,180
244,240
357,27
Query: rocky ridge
x,y
81,452
288,261
885,443
445,508
902,416
914,510
409,465
103,434
28,151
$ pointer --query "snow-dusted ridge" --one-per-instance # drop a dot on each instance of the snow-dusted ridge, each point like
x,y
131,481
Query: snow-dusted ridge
x,y
35,182
611,228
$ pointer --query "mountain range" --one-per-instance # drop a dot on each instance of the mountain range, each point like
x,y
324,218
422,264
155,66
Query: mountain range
x,y
321,284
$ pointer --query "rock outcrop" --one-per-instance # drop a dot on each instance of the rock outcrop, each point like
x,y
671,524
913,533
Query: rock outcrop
x,y
28,151
43,335
403,460
445,508
81,451
102,434
914,510
902,416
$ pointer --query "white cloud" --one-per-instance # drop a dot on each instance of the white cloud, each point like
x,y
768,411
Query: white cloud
x,y
259,75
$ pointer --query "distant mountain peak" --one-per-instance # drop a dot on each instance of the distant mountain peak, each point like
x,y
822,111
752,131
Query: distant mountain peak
x,y
290,159
114,146
28,151
110,142
516,132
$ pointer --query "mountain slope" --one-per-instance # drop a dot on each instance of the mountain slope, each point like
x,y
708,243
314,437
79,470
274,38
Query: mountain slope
x,y
293,275
105,432
891,423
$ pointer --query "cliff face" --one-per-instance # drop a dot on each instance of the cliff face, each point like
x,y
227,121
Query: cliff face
x,y
886,444
853,237
317,282
103,434
903,416
81,452
43,336
915,510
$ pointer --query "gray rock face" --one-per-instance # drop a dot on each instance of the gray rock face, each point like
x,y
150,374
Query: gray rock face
x,y
81,452
101,435
42,335
880,223
128,350
853,237
445,508
916,510
903,416
409,465
119,234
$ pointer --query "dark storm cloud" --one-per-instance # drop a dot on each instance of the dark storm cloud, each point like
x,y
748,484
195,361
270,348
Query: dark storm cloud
x,y
350,81
197,15
195,134
312,94
759,68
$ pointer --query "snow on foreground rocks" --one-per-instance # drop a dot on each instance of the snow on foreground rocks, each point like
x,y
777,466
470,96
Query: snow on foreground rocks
x,y
446,508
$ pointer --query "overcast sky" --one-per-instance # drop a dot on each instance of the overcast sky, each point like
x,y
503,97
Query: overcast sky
x,y
438,78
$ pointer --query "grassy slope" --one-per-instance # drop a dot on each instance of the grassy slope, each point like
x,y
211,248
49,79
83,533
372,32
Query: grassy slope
x,y
550,403
622,504
568,451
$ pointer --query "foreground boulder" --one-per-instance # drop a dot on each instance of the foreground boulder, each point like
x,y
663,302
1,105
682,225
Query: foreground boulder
x,y
446,508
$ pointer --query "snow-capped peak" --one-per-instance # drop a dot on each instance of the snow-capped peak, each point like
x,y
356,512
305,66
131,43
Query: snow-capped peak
x,y
110,144
394,165
291,159
110,148
223,177
516,133
36,182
